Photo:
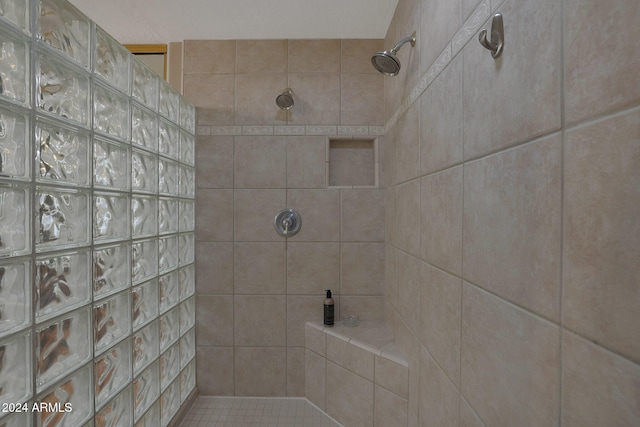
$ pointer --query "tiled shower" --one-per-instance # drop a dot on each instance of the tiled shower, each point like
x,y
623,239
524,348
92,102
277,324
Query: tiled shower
x,y
97,278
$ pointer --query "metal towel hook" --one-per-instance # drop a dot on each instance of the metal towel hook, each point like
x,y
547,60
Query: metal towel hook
x,y
497,36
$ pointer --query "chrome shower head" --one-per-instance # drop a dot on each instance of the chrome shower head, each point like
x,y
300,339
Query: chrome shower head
x,y
284,101
387,62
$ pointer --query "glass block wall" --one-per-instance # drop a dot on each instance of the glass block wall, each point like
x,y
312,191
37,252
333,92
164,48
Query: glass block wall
x,y
96,227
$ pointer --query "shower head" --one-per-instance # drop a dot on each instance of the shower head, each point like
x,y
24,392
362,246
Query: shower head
x,y
387,62
284,101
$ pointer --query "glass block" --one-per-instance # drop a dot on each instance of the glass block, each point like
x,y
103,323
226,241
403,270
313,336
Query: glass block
x,y
168,253
15,238
187,380
61,346
186,248
118,412
187,215
111,161
187,281
62,218
15,369
168,215
144,127
187,315
62,154
15,295
169,102
187,182
111,112
146,389
16,12
65,28
110,216
187,347
145,303
168,177
169,365
145,347
169,139
144,172
169,291
144,216
14,68
187,148
112,61
111,320
62,283
145,85
63,90
170,402
76,394
151,418
111,372
169,329
15,143
111,269
187,116
144,260
20,419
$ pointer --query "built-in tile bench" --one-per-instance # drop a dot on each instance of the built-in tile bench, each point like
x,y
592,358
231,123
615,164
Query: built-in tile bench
x,y
357,375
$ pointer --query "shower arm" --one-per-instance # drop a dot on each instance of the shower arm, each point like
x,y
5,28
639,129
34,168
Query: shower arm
x,y
411,38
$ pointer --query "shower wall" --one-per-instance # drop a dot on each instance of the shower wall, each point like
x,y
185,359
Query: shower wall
x,y
255,291
512,198
97,276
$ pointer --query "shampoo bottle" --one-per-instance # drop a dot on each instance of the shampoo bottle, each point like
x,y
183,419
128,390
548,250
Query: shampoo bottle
x,y
328,309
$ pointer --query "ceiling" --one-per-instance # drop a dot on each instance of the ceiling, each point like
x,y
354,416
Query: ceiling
x,y
164,21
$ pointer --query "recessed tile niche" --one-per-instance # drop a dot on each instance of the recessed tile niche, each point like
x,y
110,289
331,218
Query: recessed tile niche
x,y
353,162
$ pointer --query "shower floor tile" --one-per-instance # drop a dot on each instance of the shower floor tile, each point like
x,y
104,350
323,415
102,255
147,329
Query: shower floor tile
x,y
208,411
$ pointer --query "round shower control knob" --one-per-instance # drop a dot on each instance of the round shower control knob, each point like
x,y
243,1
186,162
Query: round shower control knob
x,y
287,222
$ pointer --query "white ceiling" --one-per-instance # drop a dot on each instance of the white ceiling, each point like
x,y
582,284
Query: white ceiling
x,y
163,21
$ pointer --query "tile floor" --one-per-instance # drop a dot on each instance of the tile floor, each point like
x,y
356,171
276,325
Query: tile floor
x,y
209,411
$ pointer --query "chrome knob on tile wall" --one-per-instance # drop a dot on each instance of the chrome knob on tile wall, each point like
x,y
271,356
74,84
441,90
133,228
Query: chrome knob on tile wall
x,y
287,222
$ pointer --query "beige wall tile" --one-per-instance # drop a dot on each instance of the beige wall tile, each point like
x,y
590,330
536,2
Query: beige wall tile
x,y
315,378
408,138
312,56
440,319
409,271
389,157
602,233
300,310
356,56
267,378
390,215
468,6
260,320
363,215
262,56
214,161
510,362
214,215
441,219
214,268
209,56
317,98
306,161
315,339
349,397
601,75
254,213
440,20
407,217
468,418
407,21
361,268
390,409
214,371
320,213
214,95
260,162
313,267
392,375
599,387
441,120
295,371
361,99
214,320
439,399
255,101
517,96
512,206
351,357
351,162
390,271
259,268
365,307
